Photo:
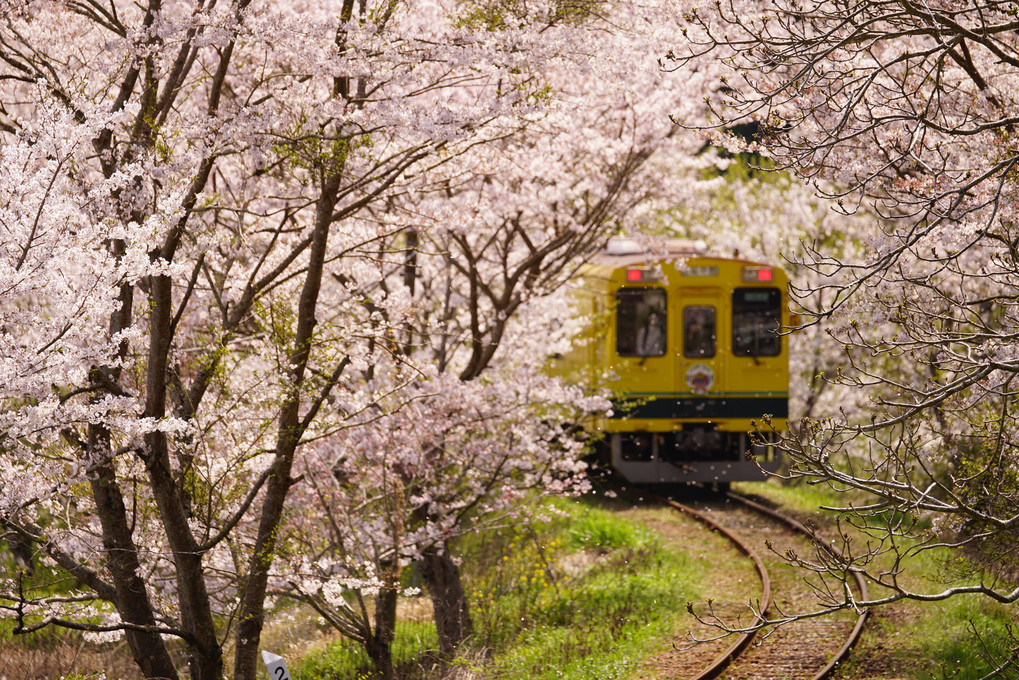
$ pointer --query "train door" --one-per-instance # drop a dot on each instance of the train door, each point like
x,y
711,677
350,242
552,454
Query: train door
x,y
700,374
700,362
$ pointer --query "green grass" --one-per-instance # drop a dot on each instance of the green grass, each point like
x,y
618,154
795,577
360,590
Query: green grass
x,y
596,592
962,638
805,498
589,594
956,638
344,659
592,529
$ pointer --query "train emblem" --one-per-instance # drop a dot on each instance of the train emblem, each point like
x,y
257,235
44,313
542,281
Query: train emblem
x,y
700,378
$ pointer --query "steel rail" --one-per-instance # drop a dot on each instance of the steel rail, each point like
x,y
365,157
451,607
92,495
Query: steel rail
x,y
743,641
861,584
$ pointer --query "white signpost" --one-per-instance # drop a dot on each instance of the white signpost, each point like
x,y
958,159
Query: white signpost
x,y
275,665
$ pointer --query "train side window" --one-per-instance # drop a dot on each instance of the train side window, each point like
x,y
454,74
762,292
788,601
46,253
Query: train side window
x,y
699,338
640,322
756,318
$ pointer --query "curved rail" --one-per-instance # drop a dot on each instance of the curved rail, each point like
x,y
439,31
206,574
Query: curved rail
x,y
861,583
719,664
725,658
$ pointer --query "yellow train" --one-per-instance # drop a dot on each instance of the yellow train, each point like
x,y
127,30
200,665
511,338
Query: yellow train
x,y
689,345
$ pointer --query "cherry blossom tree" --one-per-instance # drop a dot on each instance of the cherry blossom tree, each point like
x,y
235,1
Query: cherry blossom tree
x,y
183,283
905,111
452,457
488,244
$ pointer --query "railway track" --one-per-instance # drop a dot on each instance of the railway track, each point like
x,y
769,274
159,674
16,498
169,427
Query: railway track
x,y
809,649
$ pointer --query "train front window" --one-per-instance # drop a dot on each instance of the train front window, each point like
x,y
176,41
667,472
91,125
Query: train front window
x,y
699,331
756,317
640,322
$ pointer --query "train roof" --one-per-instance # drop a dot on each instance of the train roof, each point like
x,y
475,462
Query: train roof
x,y
621,252
679,246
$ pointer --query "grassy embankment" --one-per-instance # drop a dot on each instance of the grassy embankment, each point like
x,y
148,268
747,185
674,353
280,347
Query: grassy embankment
x,y
910,639
594,594
589,594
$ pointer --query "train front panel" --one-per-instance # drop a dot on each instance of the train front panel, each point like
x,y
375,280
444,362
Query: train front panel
x,y
693,355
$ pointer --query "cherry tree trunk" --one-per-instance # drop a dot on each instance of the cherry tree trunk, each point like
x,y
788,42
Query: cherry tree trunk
x,y
449,602
380,645
132,600
251,616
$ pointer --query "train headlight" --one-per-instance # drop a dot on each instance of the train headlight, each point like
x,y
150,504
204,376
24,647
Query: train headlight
x,y
636,275
758,274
